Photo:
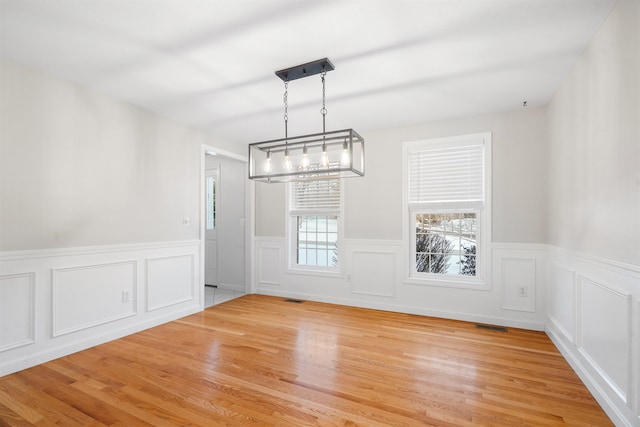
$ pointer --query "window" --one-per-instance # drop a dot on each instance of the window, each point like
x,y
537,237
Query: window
x,y
211,202
448,206
314,216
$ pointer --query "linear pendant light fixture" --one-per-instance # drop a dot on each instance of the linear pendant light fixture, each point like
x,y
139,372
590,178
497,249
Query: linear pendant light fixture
x,y
326,155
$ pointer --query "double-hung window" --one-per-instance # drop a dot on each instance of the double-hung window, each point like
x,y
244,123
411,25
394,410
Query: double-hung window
x,y
315,229
447,195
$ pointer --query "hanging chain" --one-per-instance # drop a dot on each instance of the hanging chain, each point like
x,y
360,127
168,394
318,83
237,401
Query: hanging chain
x,y
285,98
323,111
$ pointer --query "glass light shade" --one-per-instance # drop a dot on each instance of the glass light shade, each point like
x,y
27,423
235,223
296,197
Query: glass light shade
x,y
344,151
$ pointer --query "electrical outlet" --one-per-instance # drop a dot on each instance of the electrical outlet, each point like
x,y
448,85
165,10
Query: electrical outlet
x,y
522,291
126,296
186,220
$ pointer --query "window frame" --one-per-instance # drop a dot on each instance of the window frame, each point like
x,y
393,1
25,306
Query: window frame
x,y
482,279
292,229
213,201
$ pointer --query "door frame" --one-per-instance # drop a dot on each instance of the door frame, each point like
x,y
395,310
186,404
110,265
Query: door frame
x,y
249,211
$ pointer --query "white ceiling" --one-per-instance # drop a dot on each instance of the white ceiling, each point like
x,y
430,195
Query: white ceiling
x,y
211,63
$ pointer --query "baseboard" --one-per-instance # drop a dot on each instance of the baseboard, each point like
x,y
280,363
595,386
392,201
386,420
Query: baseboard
x,y
83,344
465,317
618,415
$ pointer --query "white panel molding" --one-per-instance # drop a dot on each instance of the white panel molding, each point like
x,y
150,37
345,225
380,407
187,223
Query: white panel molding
x,y
375,278
46,270
170,272
89,250
100,271
614,410
603,292
365,279
444,301
404,308
87,340
511,285
624,309
569,331
29,315
269,262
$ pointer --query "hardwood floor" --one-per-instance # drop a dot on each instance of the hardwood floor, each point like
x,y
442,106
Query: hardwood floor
x,y
261,361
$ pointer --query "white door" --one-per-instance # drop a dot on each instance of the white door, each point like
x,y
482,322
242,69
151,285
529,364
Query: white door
x,y
211,227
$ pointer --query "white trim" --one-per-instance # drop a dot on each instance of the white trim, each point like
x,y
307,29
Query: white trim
x,y
87,250
63,349
397,308
55,332
291,267
589,380
32,311
191,296
622,404
504,306
622,394
484,248
630,269
249,213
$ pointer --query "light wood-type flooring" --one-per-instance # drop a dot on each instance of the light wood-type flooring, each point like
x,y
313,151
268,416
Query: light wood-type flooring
x,y
262,361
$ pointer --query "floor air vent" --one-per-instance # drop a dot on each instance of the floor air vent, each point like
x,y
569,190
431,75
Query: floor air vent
x,y
492,328
297,301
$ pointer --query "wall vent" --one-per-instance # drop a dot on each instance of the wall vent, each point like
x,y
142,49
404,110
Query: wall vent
x,y
492,328
297,301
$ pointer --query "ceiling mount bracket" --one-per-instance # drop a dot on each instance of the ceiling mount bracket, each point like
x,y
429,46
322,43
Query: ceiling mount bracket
x,y
305,70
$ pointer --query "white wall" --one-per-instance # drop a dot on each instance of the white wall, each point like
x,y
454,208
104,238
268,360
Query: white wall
x,y
373,206
93,193
594,154
78,168
374,257
594,216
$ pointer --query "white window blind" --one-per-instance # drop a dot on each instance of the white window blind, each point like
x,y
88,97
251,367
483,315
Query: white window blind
x,y
446,174
315,195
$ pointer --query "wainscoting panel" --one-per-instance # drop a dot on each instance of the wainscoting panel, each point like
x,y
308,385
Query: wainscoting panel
x,y
91,295
54,302
17,310
562,301
373,273
518,282
169,281
604,340
269,265
594,320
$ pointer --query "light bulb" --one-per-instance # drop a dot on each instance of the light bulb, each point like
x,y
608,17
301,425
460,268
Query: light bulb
x,y
267,163
287,159
305,157
324,159
346,158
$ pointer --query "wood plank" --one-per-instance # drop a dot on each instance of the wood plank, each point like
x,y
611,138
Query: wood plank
x,y
259,360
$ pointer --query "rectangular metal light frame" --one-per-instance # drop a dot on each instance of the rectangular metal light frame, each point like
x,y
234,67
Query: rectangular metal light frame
x,y
334,139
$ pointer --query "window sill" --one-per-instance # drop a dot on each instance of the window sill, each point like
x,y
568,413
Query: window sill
x,y
452,283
